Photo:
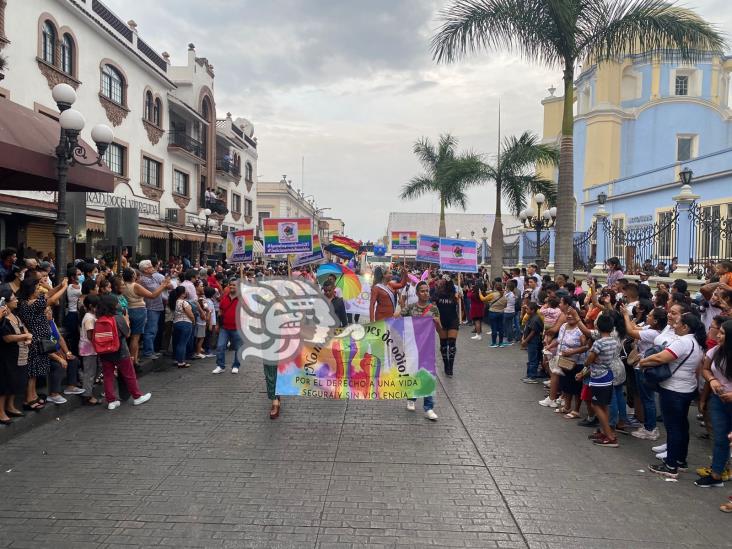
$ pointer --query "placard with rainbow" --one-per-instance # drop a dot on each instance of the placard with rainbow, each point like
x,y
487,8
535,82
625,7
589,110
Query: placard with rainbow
x,y
404,240
287,236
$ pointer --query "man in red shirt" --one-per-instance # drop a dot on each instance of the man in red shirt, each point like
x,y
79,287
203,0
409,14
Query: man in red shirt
x,y
228,331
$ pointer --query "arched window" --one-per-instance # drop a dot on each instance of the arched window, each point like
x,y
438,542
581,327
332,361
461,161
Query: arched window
x,y
67,55
249,172
157,112
149,106
112,84
49,43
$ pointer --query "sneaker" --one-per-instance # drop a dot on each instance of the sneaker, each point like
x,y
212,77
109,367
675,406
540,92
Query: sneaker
x,y
633,423
477,336
606,442
683,466
530,380
199,356
709,482
493,346
410,405
218,370
597,435
56,399
588,422
74,391
660,448
645,434
504,344
235,370
664,470
623,429
488,333
662,455
431,415
546,382
549,403
142,399
113,405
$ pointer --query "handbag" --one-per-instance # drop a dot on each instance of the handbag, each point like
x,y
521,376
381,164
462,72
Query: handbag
x,y
47,345
653,376
559,364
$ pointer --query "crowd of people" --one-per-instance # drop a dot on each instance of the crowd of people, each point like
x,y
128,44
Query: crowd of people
x,y
599,350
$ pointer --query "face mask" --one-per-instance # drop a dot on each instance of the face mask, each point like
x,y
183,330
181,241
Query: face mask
x,y
94,276
81,279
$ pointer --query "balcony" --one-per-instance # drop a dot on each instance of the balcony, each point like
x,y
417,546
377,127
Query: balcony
x,y
227,169
181,141
217,206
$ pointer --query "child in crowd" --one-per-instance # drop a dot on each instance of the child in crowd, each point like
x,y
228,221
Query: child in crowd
x,y
532,342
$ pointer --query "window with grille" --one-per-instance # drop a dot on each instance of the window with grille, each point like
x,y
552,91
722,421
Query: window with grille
x,y
151,172
684,148
235,203
114,157
682,85
157,112
247,207
180,183
67,55
49,43
249,174
112,84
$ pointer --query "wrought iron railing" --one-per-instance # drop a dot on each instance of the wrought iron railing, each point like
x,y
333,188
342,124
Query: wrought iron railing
x,y
227,166
186,142
711,238
533,253
585,249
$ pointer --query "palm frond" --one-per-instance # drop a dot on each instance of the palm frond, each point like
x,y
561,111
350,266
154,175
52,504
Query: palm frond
x,y
613,29
417,187
524,152
521,26
426,154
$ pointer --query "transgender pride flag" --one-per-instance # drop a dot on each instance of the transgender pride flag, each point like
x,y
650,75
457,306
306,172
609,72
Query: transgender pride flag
x,y
458,256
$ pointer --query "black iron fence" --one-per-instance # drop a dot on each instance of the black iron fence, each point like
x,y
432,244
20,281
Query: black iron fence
x,y
585,248
711,238
510,253
536,254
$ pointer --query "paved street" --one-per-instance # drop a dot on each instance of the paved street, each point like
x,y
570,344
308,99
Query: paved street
x,y
201,465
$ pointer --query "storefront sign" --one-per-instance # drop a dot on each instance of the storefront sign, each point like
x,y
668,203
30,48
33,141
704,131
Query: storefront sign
x,y
640,220
123,197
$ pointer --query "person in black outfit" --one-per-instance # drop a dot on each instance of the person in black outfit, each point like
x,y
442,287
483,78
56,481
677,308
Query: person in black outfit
x,y
446,299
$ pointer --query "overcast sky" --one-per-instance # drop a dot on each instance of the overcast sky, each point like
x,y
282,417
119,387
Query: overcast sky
x,y
350,85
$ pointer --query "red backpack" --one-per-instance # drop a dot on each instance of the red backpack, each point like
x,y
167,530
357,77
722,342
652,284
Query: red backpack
x,y
105,337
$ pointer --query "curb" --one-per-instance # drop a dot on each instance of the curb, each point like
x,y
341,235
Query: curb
x,y
53,412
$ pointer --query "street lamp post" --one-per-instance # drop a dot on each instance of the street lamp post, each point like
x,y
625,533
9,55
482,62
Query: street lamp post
x,y
206,227
485,243
537,221
70,152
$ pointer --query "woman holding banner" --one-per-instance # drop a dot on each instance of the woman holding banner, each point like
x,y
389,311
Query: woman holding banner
x,y
423,308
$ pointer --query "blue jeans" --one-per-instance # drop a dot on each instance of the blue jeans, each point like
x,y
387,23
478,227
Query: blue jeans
x,y
429,402
151,330
496,320
648,399
516,326
675,410
181,334
617,406
721,415
224,337
508,332
533,347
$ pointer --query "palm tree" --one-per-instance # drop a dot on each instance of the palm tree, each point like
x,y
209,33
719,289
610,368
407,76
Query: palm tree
x,y
514,178
561,33
448,174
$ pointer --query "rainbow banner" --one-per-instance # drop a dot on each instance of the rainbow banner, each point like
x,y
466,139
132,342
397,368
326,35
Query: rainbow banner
x,y
458,256
395,359
343,247
240,246
287,236
428,249
314,257
404,240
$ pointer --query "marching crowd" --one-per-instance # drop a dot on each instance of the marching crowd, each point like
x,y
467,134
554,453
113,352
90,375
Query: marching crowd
x,y
599,350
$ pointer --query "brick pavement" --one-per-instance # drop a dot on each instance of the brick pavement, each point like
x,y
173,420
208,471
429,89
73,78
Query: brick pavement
x,y
201,465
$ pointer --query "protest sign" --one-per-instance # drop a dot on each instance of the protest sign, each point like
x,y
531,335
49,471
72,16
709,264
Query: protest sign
x,y
287,236
314,257
428,249
240,246
458,256
404,240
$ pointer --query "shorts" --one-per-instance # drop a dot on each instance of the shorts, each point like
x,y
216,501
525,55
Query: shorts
x,y
450,323
602,395
138,318
200,330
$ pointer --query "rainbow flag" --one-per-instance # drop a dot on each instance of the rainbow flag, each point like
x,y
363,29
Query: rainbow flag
x,y
342,246
404,240
458,256
395,359
287,236
240,246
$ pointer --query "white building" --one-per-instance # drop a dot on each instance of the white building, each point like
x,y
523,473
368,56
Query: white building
x,y
169,146
279,199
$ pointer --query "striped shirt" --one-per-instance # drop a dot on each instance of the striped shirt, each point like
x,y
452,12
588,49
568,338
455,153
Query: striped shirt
x,y
601,374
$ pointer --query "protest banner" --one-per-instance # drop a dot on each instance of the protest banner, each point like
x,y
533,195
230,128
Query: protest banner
x,y
305,259
428,249
359,305
395,359
240,246
404,240
287,236
458,256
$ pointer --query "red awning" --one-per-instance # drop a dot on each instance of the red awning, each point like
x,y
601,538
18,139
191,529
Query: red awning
x,y
28,142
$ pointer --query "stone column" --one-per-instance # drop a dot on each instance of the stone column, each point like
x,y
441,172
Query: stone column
x,y
601,240
552,248
684,229
522,234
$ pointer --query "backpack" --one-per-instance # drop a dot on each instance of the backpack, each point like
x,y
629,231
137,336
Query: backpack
x,y
106,337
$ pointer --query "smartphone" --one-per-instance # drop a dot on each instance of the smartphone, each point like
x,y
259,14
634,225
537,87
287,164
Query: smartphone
x,y
2,301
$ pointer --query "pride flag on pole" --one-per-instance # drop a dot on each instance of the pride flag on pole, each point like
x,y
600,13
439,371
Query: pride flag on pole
x,y
287,236
458,256
428,249
404,240
342,246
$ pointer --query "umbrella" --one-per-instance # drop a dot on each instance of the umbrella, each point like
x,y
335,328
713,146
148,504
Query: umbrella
x,y
346,279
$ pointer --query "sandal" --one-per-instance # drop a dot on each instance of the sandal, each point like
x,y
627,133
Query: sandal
x,y
726,507
186,365
34,405
573,415
274,411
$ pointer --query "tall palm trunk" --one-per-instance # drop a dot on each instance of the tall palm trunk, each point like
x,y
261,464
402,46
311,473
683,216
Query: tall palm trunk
x,y
443,227
497,237
565,189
